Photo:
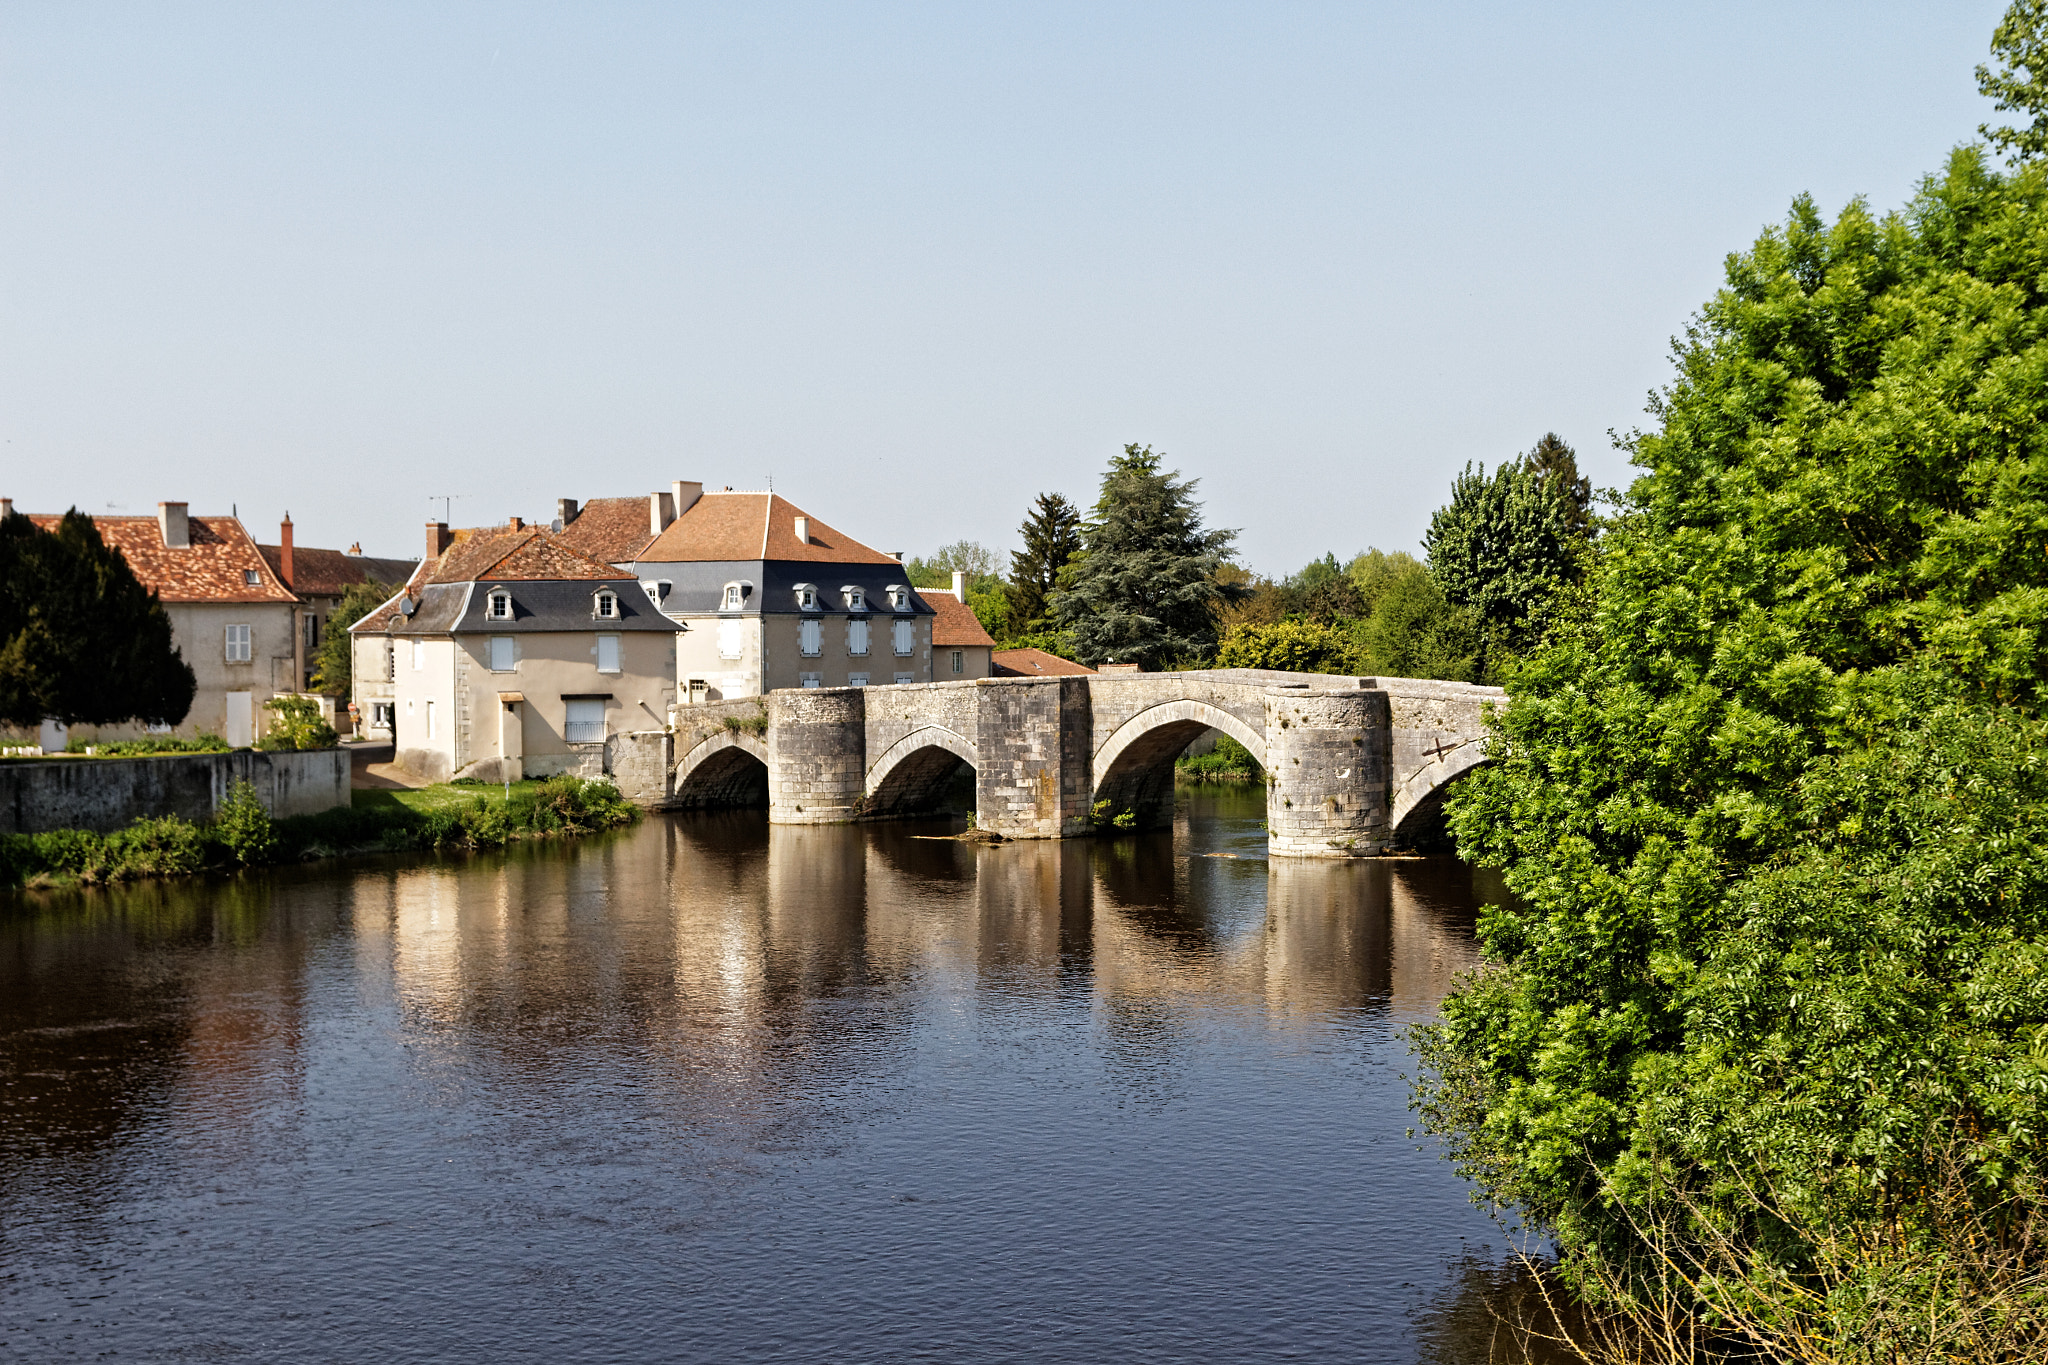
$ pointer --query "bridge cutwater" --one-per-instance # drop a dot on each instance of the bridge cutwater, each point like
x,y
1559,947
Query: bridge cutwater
x,y
1355,767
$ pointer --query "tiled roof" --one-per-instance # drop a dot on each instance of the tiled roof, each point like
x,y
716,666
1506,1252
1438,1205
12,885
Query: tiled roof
x,y
1034,663
611,529
742,526
956,625
501,553
214,569
330,573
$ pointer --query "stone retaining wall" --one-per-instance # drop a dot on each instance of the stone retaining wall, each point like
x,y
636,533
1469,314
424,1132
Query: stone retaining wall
x,y
106,794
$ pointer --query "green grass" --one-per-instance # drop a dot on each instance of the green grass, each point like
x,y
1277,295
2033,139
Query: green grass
x,y
442,796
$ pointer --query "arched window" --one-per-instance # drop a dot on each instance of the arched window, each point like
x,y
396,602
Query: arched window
x,y
501,605
605,606
899,597
856,599
735,597
807,597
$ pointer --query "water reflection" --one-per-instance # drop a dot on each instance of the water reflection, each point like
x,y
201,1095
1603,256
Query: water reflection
x,y
707,1088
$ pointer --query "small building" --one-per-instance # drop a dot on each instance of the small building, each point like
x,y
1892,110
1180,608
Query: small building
x,y
233,619
961,647
1036,663
319,578
510,654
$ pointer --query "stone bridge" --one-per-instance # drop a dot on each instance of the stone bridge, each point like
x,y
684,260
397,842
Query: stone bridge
x,y
1355,766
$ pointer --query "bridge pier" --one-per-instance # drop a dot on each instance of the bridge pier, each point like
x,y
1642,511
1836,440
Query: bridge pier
x,y
1033,737
817,755
1326,773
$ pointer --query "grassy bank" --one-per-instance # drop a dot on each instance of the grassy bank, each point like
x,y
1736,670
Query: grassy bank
x,y
243,834
1229,761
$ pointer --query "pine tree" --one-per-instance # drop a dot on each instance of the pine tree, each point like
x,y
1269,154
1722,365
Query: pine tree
x,y
1052,536
81,640
1144,588
1557,462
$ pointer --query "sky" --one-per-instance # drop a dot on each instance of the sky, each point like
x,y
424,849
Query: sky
x,y
912,264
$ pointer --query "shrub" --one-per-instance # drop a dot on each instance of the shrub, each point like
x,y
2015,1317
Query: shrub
x,y
243,827
1229,761
296,723
150,744
162,847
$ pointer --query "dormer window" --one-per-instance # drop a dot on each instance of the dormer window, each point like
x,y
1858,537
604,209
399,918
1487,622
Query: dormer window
x,y
735,597
500,608
605,606
807,597
251,577
856,599
899,597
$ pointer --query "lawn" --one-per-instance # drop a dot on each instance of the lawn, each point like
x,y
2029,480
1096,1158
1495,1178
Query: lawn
x,y
441,796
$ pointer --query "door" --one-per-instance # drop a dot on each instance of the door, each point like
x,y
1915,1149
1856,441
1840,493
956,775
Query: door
x,y
241,721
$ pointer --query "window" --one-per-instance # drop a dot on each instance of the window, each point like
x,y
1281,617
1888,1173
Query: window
x,y
856,680
906,677
585,721
959,661
810,679
607,653
390,662
432,731
731,639
251,577
899,597
238,644
502,655
419,655
699,690
904,634
856,599
807,596
606,606
856,636
380,715
811,638
501,606
735,597
312,631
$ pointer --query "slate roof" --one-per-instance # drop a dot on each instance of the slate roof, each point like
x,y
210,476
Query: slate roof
x,y
955,626
757,526
330,573
537,605
1035,663
611,529
214,569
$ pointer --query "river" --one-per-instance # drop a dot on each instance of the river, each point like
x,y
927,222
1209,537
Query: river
x,y
707,1091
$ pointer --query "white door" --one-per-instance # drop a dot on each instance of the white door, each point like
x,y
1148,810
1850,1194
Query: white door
x,y
241,721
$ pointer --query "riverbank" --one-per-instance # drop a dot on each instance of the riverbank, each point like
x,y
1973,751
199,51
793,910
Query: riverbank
x,y
445,816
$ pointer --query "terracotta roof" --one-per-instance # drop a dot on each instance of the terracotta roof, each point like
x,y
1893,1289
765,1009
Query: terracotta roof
x,y
501,553
730,526
611,529
956,624
330,573
214,569
1034,663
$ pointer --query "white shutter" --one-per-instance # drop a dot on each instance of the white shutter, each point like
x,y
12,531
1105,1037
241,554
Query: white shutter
x,y
584,722
812,635
856,636
607,653
501,654
906,636
730,639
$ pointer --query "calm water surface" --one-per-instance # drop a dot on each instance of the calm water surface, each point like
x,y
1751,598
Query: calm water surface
x,y
710,1091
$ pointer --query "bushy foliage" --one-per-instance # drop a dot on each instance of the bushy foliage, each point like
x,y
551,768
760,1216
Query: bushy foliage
x,y
1774,802
1144,588
81,640
1506,544
1229,761
296,723
243,826
334,660
150,744
1295,646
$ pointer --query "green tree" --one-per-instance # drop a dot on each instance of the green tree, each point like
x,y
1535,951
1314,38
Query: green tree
x,y
1773,802
1505,545
333,662
81,640
1052,537
1415,632
1295,646
1144,588
2020,84
296,723
970,557
1552,460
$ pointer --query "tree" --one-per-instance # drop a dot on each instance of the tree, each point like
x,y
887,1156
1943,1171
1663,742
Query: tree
x,y
1052,536
1145,584
334,662
1554,461
970,557
1295,646
1504,546
2020,85
1773,806
81,640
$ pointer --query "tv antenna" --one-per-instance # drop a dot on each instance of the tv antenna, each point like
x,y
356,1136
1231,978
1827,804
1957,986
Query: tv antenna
x,y
445,499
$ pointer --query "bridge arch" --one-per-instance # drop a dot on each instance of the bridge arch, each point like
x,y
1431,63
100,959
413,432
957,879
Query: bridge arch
x,y
728,769
1133,770
1418,802
912,774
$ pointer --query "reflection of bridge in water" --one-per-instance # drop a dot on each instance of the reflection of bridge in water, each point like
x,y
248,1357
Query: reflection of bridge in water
x,y
1355,766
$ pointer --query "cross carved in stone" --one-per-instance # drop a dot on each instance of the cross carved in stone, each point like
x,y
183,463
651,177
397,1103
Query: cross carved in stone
x,y
1439,749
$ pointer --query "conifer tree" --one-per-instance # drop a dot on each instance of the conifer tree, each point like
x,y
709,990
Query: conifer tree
x,y
1052,536
1144,588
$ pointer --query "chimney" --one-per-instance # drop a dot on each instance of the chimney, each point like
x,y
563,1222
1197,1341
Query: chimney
x,y
686,494
516,523
803,530
355,547
566,510
661,510
6,507
960,584
438,539
284,549
176,528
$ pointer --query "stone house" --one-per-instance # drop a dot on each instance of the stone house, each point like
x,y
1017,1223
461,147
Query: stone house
x,y
510,654
319,578
232,618
961,647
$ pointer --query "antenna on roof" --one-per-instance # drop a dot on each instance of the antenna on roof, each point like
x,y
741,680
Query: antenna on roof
x,y
445,500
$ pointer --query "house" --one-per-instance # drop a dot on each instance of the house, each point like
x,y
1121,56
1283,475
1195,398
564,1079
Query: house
x,y
511,654
319,578
1036,663
961,648
232,618
771,597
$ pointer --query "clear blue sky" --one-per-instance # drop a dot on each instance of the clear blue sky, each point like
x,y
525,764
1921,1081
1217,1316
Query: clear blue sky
x,y
915,262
